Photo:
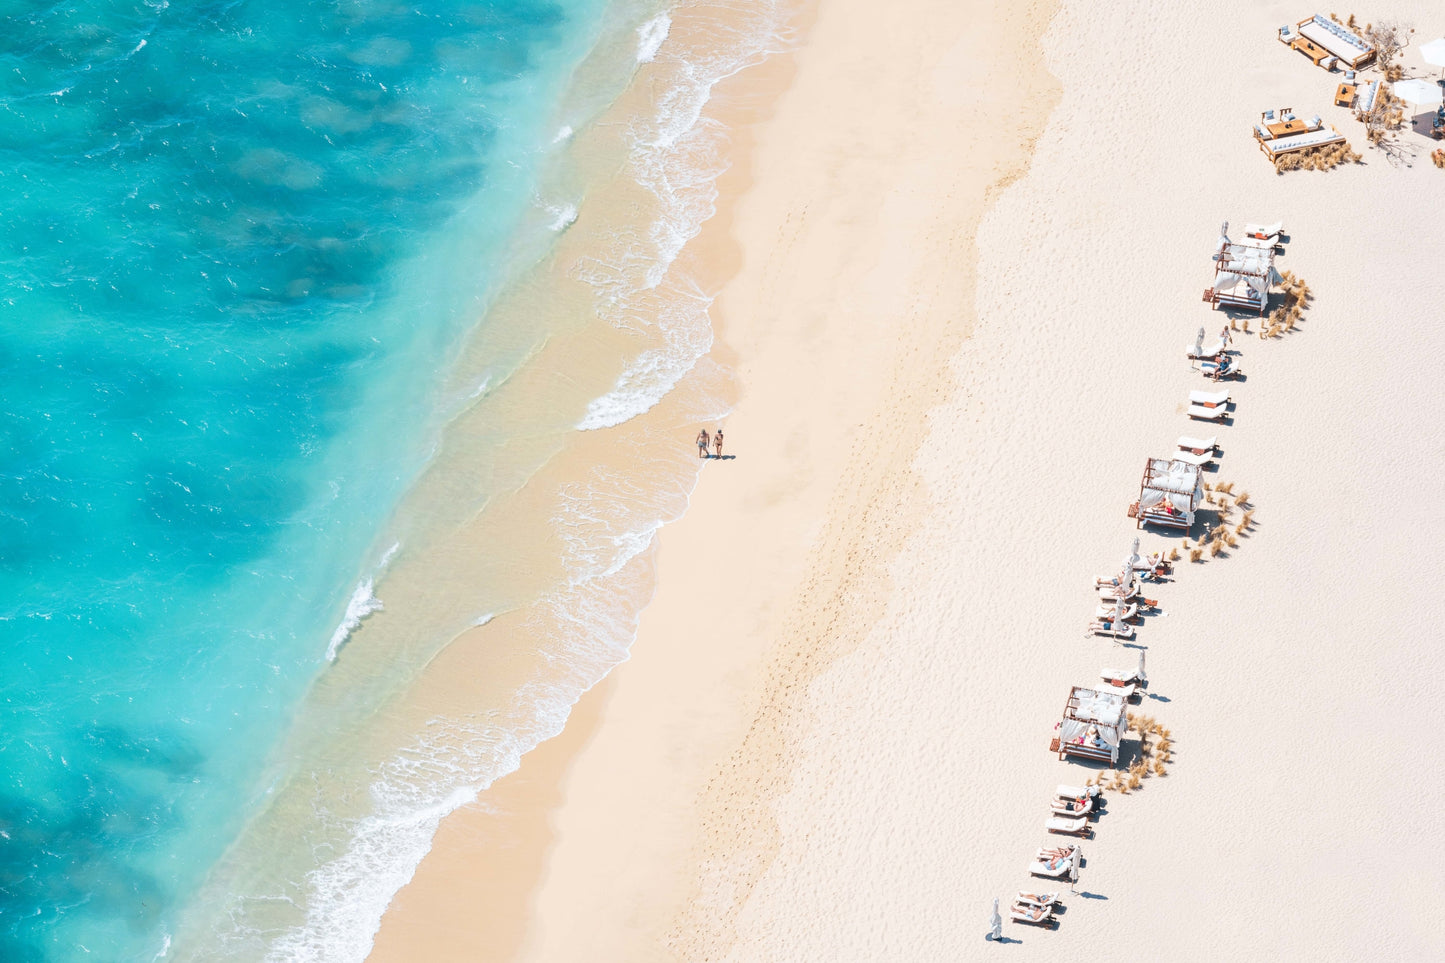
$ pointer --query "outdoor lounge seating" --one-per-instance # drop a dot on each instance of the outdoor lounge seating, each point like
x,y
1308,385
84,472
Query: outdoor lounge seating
x,y
1026,913
1264,232
1190,458
1111,609
1170,491
1037,899
1209,399
1111,592
1067,826
1204,413
1196,446
1244,270
1079,804
1092,725
1114,627
1347,47
1055,863
1135,674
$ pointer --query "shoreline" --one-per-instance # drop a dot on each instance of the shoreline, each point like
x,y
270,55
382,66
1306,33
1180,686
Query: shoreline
x,y
831,739
683,545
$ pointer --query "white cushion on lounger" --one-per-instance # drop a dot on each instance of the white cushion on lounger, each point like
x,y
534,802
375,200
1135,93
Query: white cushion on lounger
x,y
1184,441
1208,414
1209,397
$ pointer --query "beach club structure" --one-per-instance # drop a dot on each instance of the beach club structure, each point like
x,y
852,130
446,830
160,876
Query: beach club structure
x,y
1327,43
1169,493
1092,726
1243,272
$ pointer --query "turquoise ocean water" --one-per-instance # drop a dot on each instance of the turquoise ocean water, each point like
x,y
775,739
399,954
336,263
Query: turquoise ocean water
x,y
238,240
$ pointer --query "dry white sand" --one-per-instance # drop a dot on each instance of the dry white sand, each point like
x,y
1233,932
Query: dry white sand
x,y
845,756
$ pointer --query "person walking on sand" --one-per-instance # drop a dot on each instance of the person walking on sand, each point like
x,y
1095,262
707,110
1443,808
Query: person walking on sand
x,y
702,442
717,441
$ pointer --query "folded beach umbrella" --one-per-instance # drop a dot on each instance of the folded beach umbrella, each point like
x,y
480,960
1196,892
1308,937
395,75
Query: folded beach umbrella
x,y
1420,93
1433,53
995,923
1133,558
1142,676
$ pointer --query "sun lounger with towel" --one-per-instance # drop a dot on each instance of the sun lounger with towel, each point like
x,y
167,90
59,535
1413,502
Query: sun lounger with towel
x,y
1196,446
1037,915
1209,399
1068,826
1037,899
1110,609
1264,232
1119,630
1189,458
1207,414
1054,862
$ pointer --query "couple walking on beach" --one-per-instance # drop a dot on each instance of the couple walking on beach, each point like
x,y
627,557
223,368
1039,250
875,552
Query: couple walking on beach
x,y
703,440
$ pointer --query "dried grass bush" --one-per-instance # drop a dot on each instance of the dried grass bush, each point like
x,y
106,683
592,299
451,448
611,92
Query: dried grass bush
x,y
1196,554
1215,547
1159,768
1134,780
1241,499
1174,555
1438,158
1226,487
1245,327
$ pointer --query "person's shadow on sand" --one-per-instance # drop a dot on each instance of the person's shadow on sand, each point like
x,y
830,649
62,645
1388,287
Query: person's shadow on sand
x,y
721,457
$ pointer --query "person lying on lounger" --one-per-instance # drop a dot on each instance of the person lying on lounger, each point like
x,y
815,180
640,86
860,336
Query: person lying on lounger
x,y
1035,914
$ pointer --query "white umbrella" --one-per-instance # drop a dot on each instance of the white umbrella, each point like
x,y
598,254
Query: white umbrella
x,y
1434,53
1421,93
1142,676
1119,609
995,923
1074,867
1133,560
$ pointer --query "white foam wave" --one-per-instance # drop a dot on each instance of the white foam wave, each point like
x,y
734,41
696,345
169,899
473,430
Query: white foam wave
x,y
650,37
361,604
677,155
564,133
563,216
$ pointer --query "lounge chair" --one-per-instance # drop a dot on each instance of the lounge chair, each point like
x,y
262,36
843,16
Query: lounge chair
x,y
1261,133
1037,899
1135,674
1267,116
1190,458
1125,692
1209,399
1217,370
1068,826
1119,630
1070,805
1264,231
1207,414
1052,862
1106,611
1196,446
1065,791
1204,351
1113,593
1037,915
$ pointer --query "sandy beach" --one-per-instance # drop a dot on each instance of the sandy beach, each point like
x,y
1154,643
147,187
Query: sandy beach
x,y
958,257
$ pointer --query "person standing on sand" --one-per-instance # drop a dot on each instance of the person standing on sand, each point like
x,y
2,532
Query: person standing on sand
x,y
717,441
702,442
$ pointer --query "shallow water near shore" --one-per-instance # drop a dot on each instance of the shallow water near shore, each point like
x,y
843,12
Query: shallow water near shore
x,y
333,334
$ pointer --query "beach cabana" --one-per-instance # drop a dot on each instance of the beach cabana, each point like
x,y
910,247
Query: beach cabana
x,y
1243,274
1093,724
1168,494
